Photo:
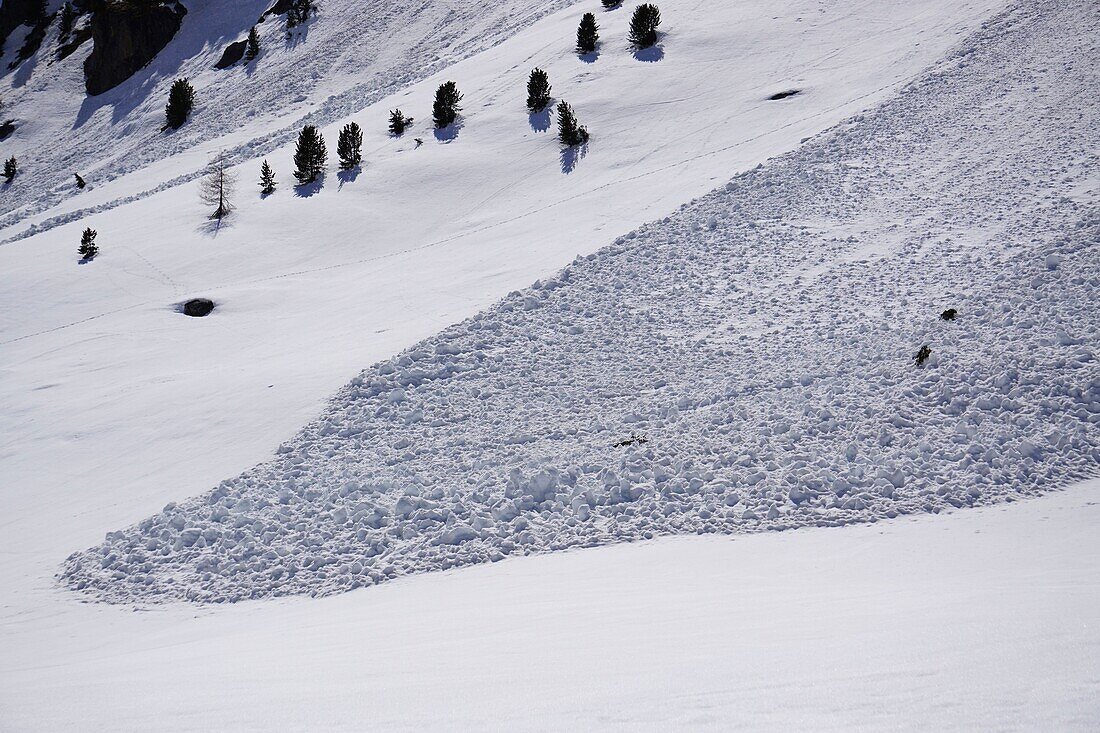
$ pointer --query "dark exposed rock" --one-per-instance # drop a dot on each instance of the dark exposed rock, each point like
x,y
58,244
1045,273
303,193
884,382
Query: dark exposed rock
x,y
784,95
279,8
14,13
76,39
6,129
949,314
233,53
198,307
127,35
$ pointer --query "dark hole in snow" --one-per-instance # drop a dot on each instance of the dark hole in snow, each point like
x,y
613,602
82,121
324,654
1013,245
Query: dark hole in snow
x,y
198,307
949,314
784,95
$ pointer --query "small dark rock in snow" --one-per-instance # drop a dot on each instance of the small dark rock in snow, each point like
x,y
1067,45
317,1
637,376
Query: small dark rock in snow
x,y
784,95
198,307
949,314
6,129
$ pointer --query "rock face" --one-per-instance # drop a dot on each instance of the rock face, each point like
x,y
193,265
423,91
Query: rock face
x,y
14,13
198,307
126,36
233,53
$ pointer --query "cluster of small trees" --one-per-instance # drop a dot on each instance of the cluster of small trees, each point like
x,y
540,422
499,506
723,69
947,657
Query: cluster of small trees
x,y
642,34
10,169
299,12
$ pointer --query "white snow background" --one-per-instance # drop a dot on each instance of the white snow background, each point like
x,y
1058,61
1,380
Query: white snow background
x,y
760,337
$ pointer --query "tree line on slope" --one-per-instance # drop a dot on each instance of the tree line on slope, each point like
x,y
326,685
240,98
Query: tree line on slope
x,y
218,186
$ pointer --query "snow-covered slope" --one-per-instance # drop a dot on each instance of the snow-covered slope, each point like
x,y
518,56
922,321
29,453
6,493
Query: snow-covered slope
x,y
349,56
780,312
760,340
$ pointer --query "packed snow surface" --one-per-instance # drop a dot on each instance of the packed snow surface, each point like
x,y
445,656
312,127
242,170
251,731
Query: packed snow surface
x,y
745,364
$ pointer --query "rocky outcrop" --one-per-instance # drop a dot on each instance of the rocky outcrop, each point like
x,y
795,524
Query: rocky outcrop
x,y
127,35
14,13
233,53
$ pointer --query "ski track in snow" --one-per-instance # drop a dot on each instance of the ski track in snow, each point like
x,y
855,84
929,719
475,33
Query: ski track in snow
x,y
761,339
360,62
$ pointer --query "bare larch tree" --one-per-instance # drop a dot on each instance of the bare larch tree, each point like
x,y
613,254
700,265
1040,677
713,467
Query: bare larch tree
x,y
217,187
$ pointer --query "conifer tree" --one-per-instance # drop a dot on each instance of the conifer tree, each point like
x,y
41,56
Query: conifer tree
x,y
588,34
299,12
181,99
252,46
10,169
446,108
398,122
310,155
538,91
88,248
66,18
568,131
79,181
349,146
267,179
643,25
217,188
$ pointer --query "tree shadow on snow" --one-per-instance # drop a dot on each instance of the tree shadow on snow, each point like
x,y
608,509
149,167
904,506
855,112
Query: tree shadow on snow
x,y
306,190
650,55
540,121
213,227
571,156
589,58
349,176
450,132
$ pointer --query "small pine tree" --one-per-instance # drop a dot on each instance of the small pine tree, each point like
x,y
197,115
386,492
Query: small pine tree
x,y
267,179
181,99
252,46
10,168
310,155
349,146
643,25
88,248
446,108
399,122
569,132
79,181
538,91
216,189
66,18
588,34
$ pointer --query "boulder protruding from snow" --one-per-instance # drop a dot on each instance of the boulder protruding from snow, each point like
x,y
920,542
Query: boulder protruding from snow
x,y
198,307
233,53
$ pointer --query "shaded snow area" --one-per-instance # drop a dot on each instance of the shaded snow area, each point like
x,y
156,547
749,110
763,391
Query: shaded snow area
x,y
746,364
348,56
